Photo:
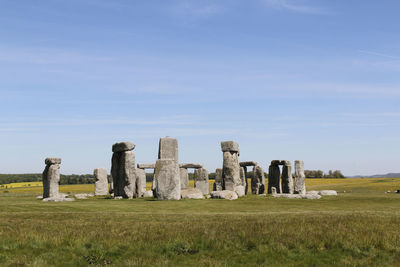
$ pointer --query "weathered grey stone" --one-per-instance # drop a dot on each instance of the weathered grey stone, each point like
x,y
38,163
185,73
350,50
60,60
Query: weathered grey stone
x,y
83,195
274,175
184,175
146,165
224,194
101,184
190,165
246,190
242,176
258,181
218,185
191,193
240,190
297,196
50,161
231,171
287,180
168,148
328,193
201,180
123,172
277,162
51,179
123,146
148,193
167,180
140,182
273,190
248,163
229,146
57,199
299,177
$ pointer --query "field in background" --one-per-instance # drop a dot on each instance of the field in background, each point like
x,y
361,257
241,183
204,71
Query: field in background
x,y
357,228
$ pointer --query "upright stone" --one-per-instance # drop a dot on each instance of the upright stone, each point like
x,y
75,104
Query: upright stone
x,y
274,175
243,179
123,170
231,168
258,181
184,175
167,181
140,182
287,179
299,177
201,180
101,184
51,177
218,180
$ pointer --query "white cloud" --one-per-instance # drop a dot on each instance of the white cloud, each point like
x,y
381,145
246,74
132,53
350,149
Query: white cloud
x,y
294,6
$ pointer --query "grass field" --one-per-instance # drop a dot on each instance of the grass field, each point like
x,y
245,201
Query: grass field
x,y
360,227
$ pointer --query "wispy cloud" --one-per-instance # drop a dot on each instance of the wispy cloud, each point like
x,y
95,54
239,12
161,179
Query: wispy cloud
x,y
295,6
196,9
373,53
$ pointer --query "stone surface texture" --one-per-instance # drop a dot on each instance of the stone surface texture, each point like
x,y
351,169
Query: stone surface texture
x,y
167,180
101,184
258,181
168,148
218,186
184,175
190,165
287,179
51,178
229,146
248,163
327,193
146,165
231,171
123,146
201,180
140,182
299,177
274,175
123,171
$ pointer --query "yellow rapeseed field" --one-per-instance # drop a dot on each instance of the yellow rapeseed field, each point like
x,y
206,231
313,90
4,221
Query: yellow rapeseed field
x,y
19,185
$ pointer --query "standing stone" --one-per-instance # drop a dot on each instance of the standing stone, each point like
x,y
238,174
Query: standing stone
x,y
274,175
218,180
168,148
258,181
51,177
123,170
299,177
287,180
243,179
140,182
167,180
201,180
184,175
101,185
231,167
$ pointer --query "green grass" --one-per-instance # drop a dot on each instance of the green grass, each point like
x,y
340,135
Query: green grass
x,y
358,228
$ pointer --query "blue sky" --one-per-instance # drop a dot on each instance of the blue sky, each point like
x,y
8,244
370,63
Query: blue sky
x,y
286,79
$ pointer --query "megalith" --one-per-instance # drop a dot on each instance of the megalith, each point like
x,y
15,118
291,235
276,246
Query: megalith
x,y
140,182
218,180
167,181
123,170
184,176
274,175
244,165
51,177
286,178
299,177
258,181
101,184
231,168
201,180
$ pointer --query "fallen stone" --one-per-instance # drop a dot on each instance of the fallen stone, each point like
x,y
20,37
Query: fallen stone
x,y
191,193
118,197
39,197
57,199
101,184
297,196
83,195
328,193
224,194
240,190
229,146
190,165
123,146
146,165
148,193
